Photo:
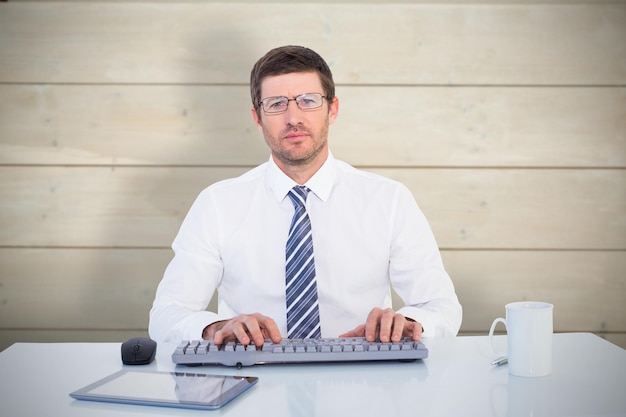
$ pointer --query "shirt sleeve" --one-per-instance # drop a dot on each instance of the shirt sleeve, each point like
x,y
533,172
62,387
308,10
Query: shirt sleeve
x,y
417,273
190,280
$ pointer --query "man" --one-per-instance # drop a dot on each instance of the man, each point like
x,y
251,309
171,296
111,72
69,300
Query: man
x,y
351,234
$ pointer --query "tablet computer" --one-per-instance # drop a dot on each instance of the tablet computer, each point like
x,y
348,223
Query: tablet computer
x,y
166,389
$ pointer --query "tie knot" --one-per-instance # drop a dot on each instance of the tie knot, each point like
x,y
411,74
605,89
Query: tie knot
x,y
298,195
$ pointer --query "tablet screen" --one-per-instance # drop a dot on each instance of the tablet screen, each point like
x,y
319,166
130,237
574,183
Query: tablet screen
x,y
169,389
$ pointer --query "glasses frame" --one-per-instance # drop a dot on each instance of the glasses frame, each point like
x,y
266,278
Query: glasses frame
x,y
262,105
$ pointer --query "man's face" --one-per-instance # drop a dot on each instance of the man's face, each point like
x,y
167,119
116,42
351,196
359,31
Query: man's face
x,y
296,137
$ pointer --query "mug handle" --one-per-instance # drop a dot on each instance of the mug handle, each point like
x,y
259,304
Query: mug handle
x,y
493,327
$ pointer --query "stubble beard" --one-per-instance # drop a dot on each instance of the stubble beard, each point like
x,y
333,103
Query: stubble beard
x,y
293,157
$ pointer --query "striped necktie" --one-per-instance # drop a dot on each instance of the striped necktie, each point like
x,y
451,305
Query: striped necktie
x,y
303,319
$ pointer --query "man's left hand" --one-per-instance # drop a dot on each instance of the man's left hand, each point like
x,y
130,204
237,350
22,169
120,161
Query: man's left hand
x,y
386,325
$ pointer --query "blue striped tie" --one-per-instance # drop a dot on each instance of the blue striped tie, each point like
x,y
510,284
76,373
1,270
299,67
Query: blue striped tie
x,y
303,318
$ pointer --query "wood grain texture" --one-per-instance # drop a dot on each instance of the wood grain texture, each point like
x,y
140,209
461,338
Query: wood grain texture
x,y
410,44
467,208
113,289
377,126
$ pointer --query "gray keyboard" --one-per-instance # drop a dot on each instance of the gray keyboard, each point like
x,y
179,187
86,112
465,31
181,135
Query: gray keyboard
x,y
206,352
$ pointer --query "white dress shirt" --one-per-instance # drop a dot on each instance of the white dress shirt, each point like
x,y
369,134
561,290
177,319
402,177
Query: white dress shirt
x,y
368,234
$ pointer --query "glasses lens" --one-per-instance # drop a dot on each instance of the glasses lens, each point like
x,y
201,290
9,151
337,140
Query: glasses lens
x,y
309,101
275,104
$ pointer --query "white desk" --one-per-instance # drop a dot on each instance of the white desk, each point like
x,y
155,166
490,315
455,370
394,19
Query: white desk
x,y
588,379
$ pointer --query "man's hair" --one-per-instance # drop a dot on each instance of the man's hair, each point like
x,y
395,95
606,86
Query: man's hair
x,y
286,60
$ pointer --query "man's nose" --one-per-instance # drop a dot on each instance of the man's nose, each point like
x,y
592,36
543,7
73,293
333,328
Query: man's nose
x,y
293,114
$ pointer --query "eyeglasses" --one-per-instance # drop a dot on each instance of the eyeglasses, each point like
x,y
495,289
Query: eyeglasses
x,y
279,104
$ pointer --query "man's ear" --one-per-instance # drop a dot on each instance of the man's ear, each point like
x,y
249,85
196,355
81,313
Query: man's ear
x,y
333,110
255,117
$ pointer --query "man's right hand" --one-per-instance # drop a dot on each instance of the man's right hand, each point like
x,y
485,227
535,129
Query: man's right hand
x,y
243,328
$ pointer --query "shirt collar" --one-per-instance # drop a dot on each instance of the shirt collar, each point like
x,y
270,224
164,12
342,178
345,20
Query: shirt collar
x,y
321,183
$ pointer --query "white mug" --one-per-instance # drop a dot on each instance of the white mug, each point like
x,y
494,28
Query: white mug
x,y
529,338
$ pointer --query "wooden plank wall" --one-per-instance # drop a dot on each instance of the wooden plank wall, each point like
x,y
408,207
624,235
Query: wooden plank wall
x,y
507,121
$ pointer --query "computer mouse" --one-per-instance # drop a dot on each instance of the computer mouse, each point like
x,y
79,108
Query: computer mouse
x,y
138,351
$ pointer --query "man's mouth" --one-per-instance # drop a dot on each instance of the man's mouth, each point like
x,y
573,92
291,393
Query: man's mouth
x,y
296,135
